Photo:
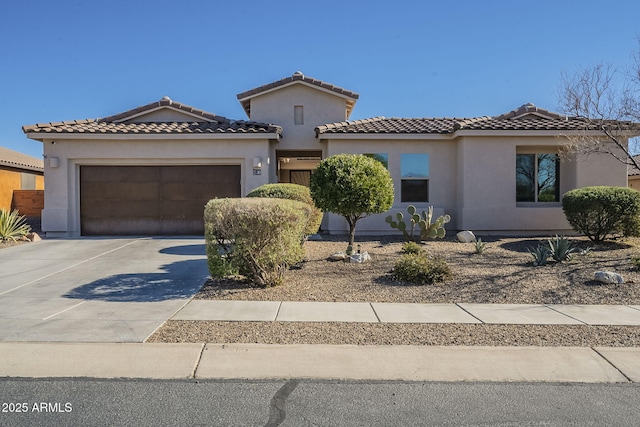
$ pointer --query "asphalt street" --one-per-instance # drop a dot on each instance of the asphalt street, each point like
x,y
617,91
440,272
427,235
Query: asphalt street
x,y
90,402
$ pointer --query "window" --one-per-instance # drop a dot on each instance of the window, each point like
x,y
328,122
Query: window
x,y
537,178
298,115
381,157
414,173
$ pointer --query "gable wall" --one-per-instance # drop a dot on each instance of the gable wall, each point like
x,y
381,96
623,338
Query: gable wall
x,y
277,107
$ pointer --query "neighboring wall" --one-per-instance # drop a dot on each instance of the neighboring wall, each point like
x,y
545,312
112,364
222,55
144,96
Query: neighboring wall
x,y
15,179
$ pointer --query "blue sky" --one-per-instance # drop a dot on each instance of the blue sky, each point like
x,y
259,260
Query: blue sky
x,y
66,60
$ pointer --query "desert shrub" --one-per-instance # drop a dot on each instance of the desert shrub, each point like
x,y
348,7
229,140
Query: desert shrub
x,y
292,192
352,185
412,248
256,237
421,269
602,212
12,225
635,262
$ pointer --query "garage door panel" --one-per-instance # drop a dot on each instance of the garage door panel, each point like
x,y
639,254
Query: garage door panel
x,y
139,200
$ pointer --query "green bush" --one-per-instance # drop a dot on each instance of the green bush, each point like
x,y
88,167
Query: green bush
x,y
12,225
351,185
292,192
421,270
602,212
256,237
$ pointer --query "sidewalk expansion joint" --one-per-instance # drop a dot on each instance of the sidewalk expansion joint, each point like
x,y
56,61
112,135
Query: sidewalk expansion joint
x,y
197,364
469,313
550,306
375,313
275,319
610,363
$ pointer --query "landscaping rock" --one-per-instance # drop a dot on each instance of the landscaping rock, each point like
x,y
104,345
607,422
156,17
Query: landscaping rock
x,y
608,277
34,237
466,236
338,256
360,258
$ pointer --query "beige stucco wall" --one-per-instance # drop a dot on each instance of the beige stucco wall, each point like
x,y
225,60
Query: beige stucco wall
x,y
486,184
61,216
442,177
472,178
277,107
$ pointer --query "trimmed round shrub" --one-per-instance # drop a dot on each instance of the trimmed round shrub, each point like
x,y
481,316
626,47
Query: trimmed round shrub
x,y
296,192
421,270
256,237
601,212
352,185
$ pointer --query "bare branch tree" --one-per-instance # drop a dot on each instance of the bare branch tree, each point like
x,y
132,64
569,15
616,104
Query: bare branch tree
x,y
607,100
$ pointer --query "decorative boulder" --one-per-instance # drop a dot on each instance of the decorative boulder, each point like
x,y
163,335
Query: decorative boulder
x,y
338,256
466,236
360,258
608,277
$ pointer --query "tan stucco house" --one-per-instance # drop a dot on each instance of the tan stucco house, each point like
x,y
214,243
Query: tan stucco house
x,y
150,170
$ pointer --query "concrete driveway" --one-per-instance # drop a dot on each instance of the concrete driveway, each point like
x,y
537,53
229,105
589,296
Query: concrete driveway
x,y
96,289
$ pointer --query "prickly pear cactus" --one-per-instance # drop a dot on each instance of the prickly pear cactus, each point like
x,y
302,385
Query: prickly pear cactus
x,y
429,229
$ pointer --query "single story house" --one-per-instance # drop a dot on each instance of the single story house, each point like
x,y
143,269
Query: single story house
x,y
21,182
151,169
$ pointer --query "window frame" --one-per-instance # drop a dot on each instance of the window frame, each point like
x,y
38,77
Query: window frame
x,y
536,202
418,178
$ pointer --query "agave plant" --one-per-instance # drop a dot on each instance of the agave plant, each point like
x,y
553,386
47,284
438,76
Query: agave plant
x,y
540,255
561,248
12,225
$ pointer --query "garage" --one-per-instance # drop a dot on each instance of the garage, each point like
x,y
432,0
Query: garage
x,y
151,200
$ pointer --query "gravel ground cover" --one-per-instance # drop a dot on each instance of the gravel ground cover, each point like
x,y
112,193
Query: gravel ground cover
x,y
504,273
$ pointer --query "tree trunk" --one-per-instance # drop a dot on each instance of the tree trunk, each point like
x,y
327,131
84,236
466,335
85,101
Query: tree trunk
x,y
352,229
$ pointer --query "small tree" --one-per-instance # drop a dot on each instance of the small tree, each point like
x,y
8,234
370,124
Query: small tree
x,y
352,185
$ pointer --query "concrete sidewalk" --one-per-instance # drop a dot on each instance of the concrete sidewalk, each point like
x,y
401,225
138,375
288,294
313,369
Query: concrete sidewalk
x,y
518,314
347,362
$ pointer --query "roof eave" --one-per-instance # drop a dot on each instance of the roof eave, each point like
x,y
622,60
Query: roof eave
x,y
42,137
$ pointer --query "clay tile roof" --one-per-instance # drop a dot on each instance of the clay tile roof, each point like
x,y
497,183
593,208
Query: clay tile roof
x,y
18,160
525,118
204,123
298,76
631,169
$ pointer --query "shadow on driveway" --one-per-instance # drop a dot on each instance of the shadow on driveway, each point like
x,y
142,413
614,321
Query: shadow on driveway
x,y
188,250
181,279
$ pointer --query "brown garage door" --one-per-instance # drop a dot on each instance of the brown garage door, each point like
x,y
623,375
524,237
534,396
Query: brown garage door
x,y
151,200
